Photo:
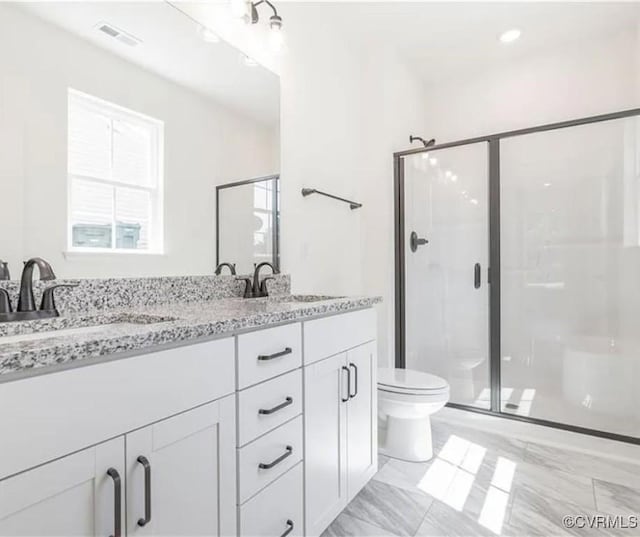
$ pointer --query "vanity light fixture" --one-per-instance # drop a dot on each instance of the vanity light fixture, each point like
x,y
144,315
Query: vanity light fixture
x,y
510,35
275,21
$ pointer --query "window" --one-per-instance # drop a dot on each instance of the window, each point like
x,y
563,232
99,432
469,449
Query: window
x,y
115,160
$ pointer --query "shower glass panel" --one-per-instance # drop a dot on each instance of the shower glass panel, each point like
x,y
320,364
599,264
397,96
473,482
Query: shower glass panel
x,y
446,290
570,275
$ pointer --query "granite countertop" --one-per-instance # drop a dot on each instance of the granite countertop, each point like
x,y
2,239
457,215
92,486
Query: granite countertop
x,y
121,330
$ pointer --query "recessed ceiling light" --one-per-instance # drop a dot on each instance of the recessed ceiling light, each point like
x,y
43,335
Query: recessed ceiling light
x,y
433,161
510,35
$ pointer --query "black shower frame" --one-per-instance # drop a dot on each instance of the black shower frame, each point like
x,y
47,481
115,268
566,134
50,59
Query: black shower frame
x,y
493,151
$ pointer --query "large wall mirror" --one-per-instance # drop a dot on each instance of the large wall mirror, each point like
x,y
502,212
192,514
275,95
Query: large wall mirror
x,y
118,122
248,223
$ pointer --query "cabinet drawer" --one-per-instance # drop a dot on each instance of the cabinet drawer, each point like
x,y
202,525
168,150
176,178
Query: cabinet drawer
x,y
332,335
268,405
267,458
267,353
272,512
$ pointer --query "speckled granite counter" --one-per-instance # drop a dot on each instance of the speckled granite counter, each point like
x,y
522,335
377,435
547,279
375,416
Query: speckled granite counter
x,y
139,328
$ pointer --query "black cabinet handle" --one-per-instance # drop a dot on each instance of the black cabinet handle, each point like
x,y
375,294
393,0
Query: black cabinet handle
x,y
289,528
415,241
147,491
267,466
344,368
355,371
476,275
266,411
264,357
117,499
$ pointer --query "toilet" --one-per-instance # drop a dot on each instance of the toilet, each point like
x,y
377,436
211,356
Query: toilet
x,y
406,400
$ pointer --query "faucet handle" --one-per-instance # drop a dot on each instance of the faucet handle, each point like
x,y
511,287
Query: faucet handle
x,y
48,300
263,285
248,287
5,301
4,270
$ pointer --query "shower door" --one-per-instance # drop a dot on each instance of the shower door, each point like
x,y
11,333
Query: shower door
x,y
445,257
570,275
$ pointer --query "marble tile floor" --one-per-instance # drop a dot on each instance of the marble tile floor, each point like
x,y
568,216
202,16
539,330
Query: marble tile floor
x,y
486,484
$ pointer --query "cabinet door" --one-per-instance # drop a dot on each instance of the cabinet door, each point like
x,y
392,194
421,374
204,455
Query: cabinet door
x,y
362,422
181,474
325,406
76,495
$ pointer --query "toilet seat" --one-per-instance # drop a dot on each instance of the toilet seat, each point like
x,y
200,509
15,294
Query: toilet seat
x,y
411,382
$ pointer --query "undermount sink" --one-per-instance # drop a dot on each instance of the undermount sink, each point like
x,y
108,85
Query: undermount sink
x,y
114,323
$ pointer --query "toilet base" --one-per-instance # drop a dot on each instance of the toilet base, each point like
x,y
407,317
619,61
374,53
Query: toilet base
x,y
406,439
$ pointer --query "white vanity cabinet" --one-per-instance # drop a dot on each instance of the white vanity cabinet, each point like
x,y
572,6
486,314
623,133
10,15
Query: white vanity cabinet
x,y
269,433
340,414
172,458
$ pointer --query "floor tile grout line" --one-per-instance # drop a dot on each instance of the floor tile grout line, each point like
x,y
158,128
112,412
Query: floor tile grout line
x,y
369,523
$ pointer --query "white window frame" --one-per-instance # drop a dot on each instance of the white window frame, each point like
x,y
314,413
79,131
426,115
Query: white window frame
x,y
156,223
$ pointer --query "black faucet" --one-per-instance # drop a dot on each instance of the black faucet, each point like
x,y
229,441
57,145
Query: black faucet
x,y
232,268
256,289
26,302
26,309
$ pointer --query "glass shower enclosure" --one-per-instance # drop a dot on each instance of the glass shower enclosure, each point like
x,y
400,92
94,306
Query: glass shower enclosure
x,y
518,272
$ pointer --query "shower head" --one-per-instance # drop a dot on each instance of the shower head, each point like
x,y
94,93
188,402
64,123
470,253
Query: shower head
x,y
420,139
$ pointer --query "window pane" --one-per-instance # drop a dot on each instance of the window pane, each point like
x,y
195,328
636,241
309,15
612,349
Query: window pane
x,y
132,150
91,214
133,218
89,142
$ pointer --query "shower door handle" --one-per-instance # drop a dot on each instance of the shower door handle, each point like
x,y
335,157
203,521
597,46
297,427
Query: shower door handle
x,y
477,270
415,241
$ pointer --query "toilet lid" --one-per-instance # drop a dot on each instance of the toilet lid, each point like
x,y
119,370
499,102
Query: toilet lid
x,y
409,380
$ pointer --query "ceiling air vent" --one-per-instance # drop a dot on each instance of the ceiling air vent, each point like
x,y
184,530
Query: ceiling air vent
x,y
118,34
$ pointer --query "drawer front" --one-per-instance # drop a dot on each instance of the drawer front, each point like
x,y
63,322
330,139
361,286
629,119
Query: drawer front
x,y
120,396
268,405
332,335
267,458
267,353
272,512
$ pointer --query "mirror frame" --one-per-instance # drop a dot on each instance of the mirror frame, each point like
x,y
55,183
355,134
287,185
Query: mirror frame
x,y
276,209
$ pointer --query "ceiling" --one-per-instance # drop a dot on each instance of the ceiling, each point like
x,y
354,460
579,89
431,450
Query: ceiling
x,y
173,48
442,40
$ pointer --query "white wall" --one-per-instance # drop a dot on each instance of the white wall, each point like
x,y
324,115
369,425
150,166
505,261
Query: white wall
x,y
345,109
205,145
579,79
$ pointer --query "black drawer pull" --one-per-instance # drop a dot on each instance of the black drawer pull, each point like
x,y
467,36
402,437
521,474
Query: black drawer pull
x,y
267,466
345,368
117,500
265,357
147,491
289,528
266,411
355,370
